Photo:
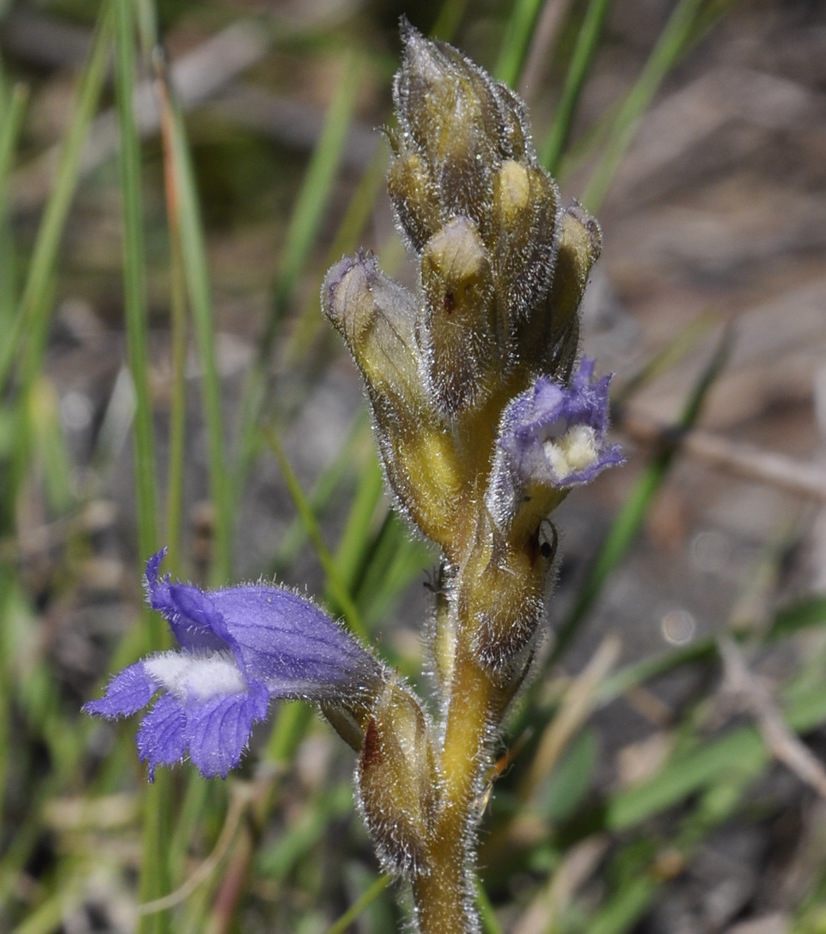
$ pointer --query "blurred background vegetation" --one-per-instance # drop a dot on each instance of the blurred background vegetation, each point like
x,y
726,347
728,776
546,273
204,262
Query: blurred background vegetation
x,y
175,178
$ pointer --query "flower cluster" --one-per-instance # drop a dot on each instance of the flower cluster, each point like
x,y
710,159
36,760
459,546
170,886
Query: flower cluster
x,y
502,268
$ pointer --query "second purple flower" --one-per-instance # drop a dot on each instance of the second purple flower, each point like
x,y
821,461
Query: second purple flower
x,y
240,648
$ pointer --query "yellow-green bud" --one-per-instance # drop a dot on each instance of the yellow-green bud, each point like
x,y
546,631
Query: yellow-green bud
x,y
458,333
460,121
425,472
415,199
502,592
580,245
395,783
376,316
525,235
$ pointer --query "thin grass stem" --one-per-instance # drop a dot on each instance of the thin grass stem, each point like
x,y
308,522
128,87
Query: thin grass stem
x,y
575,78
305,223
34,309
188,227
516,42
674,40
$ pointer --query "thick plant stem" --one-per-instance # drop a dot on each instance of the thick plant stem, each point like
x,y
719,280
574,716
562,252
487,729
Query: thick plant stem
x,y
440,897
443,895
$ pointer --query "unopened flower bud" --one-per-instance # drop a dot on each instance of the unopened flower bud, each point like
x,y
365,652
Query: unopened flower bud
x,y
525,237
580,245
503,593
415,199
395,781
460,121
376,316
458,333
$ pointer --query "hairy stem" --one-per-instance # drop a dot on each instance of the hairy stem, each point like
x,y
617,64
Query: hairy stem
x,y
443,895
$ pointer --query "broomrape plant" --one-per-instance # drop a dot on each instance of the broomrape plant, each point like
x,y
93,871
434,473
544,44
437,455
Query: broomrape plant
x,y
484,422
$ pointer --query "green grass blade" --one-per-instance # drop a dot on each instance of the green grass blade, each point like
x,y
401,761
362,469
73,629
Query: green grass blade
x,y
785,623
34,311
305,224
517,38
343,924
135,308
8,292
684,776
708,762
393,560
356,217
311,203
447,22
178,344
583,57
321,495
487,913
354,544
677,35
7,588
667,357
12,109
340,598
280,857
187,227
48,444
647,669
802,615
155,878
643,880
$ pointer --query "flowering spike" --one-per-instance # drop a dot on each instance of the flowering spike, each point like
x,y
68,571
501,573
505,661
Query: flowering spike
x,y
240,647
483,427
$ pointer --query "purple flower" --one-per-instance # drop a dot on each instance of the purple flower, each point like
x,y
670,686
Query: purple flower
x,y
556,433
240,647
552,437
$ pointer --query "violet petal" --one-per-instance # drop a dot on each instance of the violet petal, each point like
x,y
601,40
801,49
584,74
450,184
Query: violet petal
x,y
240,648
161,739
291,645
218,730
129,691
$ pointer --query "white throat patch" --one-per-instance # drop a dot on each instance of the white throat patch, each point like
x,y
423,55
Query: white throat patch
x,y
574,451
199,676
